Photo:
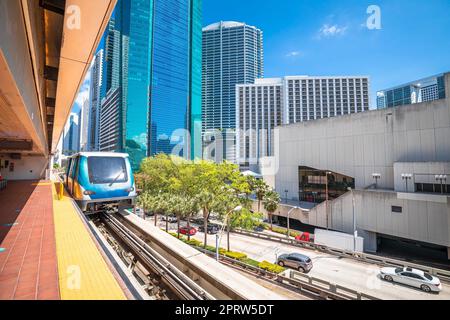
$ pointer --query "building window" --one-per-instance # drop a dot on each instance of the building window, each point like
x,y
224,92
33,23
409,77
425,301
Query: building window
x,y
433,188
313,184
397,209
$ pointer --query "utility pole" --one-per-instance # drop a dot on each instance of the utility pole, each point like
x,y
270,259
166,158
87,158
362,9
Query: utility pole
x,y
217,246
326,196
355,232
288,219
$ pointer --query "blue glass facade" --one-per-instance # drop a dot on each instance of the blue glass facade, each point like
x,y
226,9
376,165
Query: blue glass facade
x,y
424,90
168,97
160,76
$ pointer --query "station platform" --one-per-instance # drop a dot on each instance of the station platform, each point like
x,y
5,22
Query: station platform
x,y
47,251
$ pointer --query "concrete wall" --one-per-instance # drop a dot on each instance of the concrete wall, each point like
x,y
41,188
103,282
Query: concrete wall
x,y
361,144
23,98
27,168
423,172
406,139
424,217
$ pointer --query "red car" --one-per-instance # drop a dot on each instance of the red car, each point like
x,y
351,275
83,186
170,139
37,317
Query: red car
x,y
185,230
305,236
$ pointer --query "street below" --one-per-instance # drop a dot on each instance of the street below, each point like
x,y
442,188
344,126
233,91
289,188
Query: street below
x,y
346,272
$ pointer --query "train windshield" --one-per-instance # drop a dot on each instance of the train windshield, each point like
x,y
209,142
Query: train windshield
x,y
107,170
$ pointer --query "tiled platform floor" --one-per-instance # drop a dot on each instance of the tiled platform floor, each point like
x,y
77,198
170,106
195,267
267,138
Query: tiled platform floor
x,y
28,263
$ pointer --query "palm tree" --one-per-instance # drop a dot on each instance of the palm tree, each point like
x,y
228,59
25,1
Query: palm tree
x,y
205,201
191,209
271,201
175,207
260,188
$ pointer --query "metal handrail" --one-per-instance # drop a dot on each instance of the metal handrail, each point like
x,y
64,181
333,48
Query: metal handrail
x,y
298,279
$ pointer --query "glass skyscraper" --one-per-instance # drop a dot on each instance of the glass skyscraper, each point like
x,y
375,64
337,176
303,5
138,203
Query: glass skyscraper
x,y
157,46
428,89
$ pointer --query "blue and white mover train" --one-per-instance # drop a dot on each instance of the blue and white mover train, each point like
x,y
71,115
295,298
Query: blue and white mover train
x,y
95,179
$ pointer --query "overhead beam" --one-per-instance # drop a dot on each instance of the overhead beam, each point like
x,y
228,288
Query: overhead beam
x,y
78,48
51,73
13,144
56,6
50,102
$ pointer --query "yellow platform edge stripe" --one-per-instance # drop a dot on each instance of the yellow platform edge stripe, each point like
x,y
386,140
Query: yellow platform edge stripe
x,y
82,272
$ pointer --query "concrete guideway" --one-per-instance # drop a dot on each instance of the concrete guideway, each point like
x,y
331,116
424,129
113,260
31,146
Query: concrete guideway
x,y
219,280
349,273
285,293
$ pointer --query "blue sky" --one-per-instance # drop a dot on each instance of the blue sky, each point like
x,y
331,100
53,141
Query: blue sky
x,y
330,37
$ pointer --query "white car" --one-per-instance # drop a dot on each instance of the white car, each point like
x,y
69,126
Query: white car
x,y
412,277
170,218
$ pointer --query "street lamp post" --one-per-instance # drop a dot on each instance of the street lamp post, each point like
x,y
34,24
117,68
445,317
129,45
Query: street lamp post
x,y
406,177
326,196
376,176
355,232
288,219
441,178
217,246
227,224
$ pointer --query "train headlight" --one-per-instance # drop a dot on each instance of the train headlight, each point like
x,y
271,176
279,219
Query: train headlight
x,y
130,189
88,192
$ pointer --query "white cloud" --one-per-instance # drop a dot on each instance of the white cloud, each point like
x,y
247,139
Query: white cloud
x,y
293,54
83,94
331,30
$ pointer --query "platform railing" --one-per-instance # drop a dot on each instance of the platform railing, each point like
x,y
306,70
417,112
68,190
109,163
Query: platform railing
x,y
3,184
364,257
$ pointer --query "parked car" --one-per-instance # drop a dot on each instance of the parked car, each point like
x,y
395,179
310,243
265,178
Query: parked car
x,y
169,218
185,230
211,229
139,212
258,229
296,261
412,277
198,221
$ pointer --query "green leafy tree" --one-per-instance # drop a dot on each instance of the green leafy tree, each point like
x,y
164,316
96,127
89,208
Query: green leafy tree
x,y
157,174
191,208
192,187
271,201
177,207
158,204
246,219
227,202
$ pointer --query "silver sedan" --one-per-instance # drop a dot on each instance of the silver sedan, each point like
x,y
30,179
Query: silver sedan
x,y
412,277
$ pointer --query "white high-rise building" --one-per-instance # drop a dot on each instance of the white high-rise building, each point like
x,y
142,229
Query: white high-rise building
x,y
232,53
71,135
109,139
84,125
273,102
95,101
